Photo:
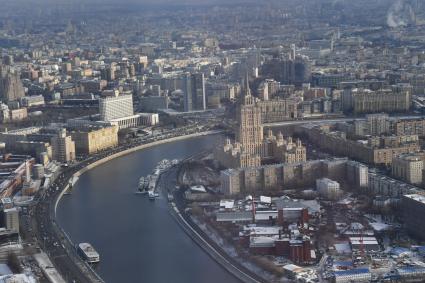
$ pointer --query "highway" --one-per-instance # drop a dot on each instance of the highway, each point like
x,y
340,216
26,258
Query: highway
x,y
51,238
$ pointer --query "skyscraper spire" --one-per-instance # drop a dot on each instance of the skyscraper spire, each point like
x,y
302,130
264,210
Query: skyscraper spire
x,y
246,87
247,98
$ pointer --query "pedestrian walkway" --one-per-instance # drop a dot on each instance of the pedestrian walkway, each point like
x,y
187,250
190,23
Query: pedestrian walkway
x,y
48,269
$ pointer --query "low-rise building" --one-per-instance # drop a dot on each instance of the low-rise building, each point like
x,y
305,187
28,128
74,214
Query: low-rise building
x,y
18,114
353,275
34,100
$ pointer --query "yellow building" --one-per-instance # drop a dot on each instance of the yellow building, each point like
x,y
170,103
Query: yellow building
x,y
93,139
284,150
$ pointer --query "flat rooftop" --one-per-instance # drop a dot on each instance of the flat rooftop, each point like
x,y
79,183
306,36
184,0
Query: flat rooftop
x,y
416,197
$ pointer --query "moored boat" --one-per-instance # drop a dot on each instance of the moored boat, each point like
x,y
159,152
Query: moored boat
x,y
88,253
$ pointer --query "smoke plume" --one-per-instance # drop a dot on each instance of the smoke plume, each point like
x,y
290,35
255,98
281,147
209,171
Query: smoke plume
x,y
400,14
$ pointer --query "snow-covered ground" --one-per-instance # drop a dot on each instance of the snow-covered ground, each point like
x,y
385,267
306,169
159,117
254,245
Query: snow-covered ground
x,y
230,250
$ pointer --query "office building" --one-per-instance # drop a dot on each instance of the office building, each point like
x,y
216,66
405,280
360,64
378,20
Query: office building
x,y
63,147
109,73
115,107
194,92
92,139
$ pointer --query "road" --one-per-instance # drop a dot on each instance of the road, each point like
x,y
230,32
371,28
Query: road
x,y
54,241
334,120
47,233
166,184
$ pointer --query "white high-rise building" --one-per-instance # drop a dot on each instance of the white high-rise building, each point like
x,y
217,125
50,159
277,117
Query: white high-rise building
x,y
194,92
116,107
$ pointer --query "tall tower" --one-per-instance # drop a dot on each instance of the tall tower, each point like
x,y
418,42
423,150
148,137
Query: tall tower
x,y
188,98
293,52
11,87
63,147
249,132
27,172
194,92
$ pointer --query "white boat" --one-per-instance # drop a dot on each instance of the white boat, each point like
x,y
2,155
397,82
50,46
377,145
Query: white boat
x,y
152,195
147,185
88,253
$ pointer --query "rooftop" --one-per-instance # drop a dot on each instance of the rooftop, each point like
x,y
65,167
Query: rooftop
x,y
352,272
416,197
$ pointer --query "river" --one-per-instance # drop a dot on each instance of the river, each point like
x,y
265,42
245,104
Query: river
x,y
137,239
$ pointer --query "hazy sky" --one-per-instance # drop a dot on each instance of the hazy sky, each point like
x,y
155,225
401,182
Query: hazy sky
x,y
131,1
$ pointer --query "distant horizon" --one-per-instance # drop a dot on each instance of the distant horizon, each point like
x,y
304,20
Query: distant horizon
x,y
134,2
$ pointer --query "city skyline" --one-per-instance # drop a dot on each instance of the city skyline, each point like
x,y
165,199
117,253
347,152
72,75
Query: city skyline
x,y
212,141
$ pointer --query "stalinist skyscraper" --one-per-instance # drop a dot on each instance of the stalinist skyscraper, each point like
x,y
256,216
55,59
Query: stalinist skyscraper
x,y
250,146
249,132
